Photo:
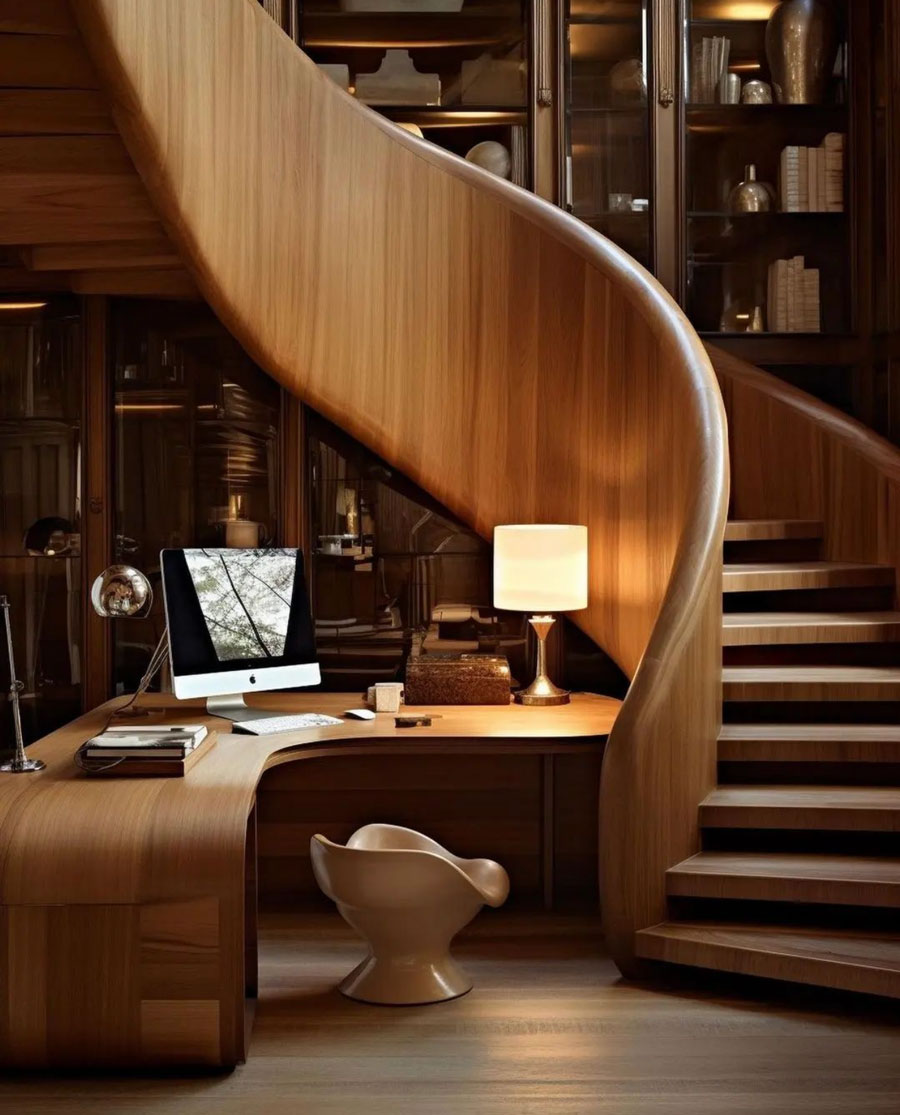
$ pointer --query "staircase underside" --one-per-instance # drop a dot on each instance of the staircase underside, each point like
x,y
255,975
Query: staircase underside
x,y
76,216
798,878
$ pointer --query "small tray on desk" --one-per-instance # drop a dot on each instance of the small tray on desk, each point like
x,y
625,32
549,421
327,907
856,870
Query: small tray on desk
x,y
151,768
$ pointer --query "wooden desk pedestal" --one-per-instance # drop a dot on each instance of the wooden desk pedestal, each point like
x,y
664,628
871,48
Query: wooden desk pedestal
x,y
127,907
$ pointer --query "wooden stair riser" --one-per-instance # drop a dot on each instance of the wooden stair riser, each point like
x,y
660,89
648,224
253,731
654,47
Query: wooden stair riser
x,y
810,879
875,809
812,685
802,629
777,577
799,774
814,743
864,963
773,530
812,654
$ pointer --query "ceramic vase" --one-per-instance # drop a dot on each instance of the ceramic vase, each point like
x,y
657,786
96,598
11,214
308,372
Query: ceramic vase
x,y
801,46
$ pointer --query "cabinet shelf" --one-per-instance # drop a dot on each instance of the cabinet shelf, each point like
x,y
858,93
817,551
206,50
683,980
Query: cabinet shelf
x,y
608,110
797,349
721,118
493,26
763,217
456,116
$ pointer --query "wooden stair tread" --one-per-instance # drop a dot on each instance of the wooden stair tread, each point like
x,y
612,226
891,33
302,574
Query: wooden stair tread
x,y
788,877
764,530
851,961
779,576
784,628
825,743
811,683
863,808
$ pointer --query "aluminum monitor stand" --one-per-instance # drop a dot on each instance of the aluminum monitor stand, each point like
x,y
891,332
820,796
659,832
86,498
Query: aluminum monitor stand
x,y
232,706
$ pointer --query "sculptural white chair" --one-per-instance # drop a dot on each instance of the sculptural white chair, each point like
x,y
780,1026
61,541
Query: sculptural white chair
x,y
408,897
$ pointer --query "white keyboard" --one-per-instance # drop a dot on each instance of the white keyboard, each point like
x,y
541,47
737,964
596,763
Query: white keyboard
x,y
267,725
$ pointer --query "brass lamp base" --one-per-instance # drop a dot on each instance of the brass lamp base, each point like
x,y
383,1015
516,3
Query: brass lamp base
x,y
542,691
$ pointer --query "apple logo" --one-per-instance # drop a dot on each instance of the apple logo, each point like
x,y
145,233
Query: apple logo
x,y
253,679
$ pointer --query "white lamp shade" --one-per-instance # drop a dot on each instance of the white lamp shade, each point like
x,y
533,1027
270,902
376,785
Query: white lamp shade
x,y
540,567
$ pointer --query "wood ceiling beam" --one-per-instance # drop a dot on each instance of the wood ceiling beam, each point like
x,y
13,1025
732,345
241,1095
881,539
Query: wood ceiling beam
x,y
111,255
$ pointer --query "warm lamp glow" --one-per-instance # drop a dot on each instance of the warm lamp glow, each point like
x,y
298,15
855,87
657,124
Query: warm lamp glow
x,y
22,305
540,568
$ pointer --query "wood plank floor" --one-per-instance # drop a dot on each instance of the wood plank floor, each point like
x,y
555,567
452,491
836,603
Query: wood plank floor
x,y
550,1029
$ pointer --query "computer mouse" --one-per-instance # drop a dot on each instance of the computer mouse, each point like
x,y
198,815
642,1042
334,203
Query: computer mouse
x,y
360,714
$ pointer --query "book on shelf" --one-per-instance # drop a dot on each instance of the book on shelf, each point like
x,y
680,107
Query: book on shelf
x,y
811,179
793,297
833,146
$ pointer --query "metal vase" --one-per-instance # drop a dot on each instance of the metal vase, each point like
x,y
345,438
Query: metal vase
x,y
801,46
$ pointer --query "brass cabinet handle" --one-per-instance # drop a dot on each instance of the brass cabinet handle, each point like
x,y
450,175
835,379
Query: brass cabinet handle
x,y
665,36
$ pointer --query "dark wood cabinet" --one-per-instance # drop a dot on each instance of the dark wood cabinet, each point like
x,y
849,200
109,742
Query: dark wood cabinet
x,y
650,156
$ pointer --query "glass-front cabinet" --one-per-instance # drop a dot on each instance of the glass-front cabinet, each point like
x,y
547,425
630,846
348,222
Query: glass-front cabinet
x,y
41,388
456,72
605,120
766,150
744,151
195,451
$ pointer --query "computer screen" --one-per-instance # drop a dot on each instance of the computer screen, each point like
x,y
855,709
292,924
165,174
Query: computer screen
x,y
239,621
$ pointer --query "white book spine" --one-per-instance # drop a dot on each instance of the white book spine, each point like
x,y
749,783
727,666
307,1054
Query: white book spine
x,y
813,311
803,180
790,180
812,179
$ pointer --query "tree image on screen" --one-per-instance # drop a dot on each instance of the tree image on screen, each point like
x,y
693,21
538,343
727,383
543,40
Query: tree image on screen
x,y
245,597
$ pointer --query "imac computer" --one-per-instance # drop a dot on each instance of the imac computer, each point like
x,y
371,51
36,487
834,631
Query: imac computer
x,y
239,622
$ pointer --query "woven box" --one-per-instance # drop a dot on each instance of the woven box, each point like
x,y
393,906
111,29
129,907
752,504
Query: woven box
x,y
458,679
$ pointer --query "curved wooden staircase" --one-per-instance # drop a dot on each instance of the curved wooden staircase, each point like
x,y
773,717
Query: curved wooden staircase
x,y
798,876
520,368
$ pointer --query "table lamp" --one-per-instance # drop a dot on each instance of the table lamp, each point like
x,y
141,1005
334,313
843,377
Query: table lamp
x,y
541,568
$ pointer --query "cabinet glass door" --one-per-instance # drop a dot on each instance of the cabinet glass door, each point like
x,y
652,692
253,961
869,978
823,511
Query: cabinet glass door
x,y
765,173
454,72
605,174
41,402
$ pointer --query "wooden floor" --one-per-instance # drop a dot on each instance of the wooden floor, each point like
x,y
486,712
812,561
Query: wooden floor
x,y
549,1028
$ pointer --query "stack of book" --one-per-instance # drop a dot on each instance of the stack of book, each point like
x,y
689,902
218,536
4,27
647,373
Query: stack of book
x,y
709,61
793,297
811,179
146,749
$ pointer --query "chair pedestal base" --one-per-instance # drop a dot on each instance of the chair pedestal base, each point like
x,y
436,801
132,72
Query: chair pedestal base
x,y
406,982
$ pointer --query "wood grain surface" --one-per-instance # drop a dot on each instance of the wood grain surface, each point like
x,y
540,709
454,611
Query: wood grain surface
x,y
852,961
818,464
549,1029
505,357
122,902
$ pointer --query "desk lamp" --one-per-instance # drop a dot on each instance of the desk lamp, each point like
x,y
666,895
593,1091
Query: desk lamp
x,y
123,592
541,568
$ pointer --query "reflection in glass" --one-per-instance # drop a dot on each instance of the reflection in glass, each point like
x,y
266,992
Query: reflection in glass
x,y
245,597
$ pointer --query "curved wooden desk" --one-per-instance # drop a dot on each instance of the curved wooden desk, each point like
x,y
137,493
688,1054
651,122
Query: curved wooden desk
x,y
126,934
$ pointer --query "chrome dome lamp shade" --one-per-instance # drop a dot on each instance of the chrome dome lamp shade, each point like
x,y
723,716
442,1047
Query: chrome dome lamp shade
x,y
122,592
